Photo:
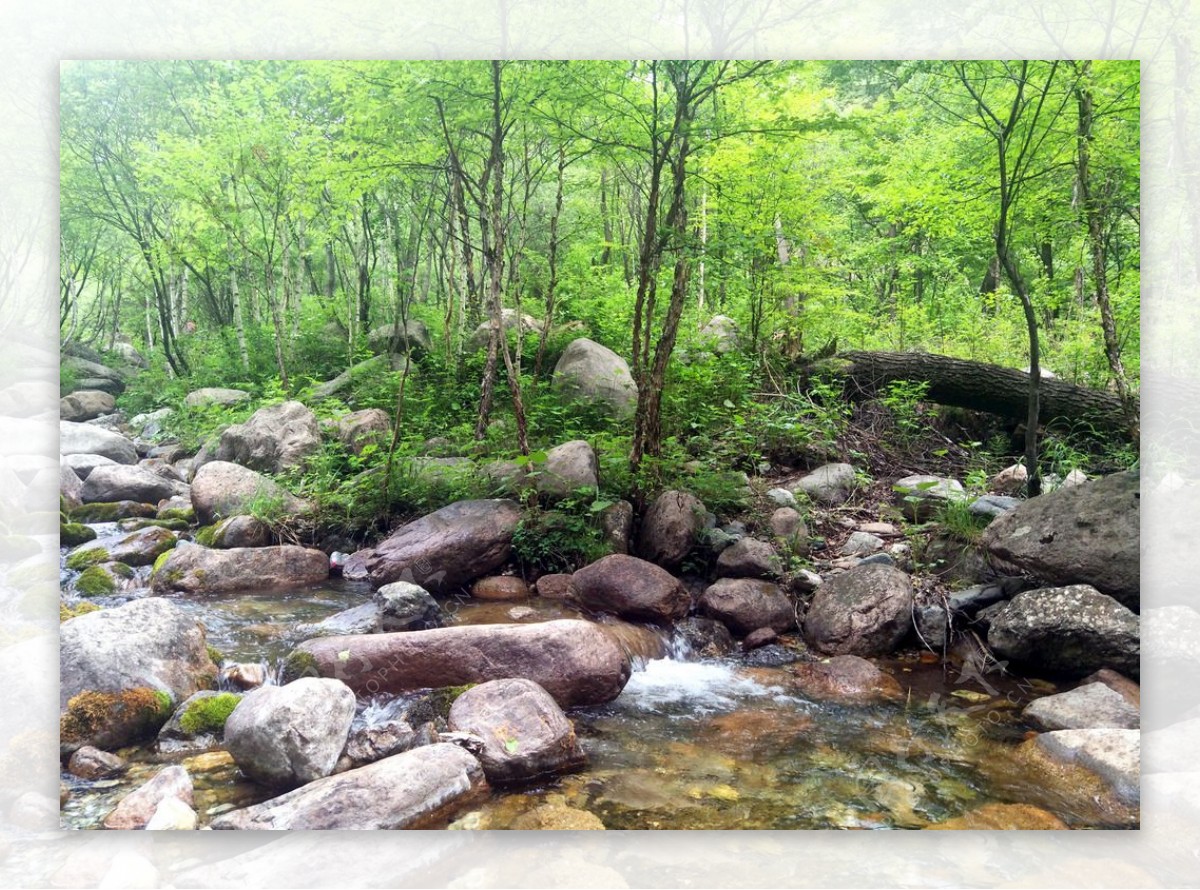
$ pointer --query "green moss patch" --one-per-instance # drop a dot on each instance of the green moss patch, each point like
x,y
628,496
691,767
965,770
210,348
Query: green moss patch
x,y
72,534
299,664
82,559
111,511
66,613
208,714
185,515
95,581
206,535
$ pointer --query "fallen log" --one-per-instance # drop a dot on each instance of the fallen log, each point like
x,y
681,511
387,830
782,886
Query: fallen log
x,y
980,387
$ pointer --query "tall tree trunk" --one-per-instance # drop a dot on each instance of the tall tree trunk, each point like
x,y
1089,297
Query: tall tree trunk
x,y
239,319
552,287
1094,213
605,219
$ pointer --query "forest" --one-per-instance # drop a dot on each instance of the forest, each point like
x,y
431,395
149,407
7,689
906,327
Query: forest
x,y
494,326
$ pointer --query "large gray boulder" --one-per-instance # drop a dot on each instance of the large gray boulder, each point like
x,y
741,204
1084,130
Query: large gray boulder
x,y
631,588
1083,534
85,404
94,375
508,320
273,439
122,482
577,662
83,438
421,788
526,736
200,570
670,528
1071,631
122,669
1092,706
371,426
406,606
414,337
213,395
746,604
568,468
864,611
283,736
443,550
828,485
70,486
589,372
221,489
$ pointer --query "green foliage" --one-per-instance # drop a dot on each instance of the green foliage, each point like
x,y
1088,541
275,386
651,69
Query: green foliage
x,y
958,522
561,539
208,715
902,398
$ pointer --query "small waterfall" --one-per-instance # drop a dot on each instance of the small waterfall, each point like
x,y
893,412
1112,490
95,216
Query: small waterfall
x,y
645,643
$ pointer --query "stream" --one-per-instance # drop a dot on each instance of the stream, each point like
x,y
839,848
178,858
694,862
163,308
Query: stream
x,y
690,743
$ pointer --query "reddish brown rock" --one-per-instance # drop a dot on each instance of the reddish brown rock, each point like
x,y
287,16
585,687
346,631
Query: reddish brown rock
x,y
1003,816
577,662
746,605
554,587
864,611
500,588
195,569
632,588
846,679
670,528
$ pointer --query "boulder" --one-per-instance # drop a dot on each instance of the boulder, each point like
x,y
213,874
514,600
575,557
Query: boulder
x,y
122,669
861,544
137,808
1071,631
993,505
866,610
721,335
443,550
172,814
616,526
577,662
199,721
526,737
421,788
589,372
828,485
84,404
119,482
81,438
705,637
405,606
93,764
670,528
1010,481
508,320
746,605
846,679
215,396
554,586
1084,534
274,439
1093,706
357,430
200,570
920,496
631,588
371,742
150,424
240,531
140,548
1113,754
91,374
749,558
502,588
568,468
221,489
70,487
411,337
283,736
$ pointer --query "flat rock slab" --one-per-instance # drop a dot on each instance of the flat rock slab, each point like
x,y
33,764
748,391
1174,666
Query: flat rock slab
x,y
1094,706
416,789
577,662
83,438
196,569
443,550
1113,754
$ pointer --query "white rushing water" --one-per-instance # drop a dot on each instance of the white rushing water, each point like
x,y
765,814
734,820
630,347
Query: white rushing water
x,y
668,685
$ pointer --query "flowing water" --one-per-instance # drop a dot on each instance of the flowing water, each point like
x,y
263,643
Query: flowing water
x,y
689,743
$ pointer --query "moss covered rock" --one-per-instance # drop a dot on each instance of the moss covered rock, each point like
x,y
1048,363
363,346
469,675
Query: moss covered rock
x,y
72,534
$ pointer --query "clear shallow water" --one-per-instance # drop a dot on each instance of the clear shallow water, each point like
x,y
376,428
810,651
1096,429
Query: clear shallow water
x,y
688,744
